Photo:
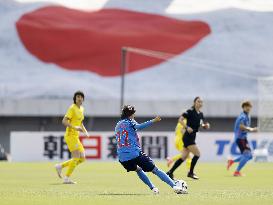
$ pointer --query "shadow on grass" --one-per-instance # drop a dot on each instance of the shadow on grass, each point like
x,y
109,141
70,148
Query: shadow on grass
x,y
122,194
60,184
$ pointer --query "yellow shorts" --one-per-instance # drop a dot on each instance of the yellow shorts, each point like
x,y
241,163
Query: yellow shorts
x,y
74,143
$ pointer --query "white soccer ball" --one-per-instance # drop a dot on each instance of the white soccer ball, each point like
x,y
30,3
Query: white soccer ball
x,y
181,183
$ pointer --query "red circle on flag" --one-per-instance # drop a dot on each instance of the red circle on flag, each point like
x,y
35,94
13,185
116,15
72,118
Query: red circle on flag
x,y
92,41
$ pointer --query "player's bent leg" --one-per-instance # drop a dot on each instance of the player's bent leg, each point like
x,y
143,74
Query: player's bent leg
x,y
74,162
131,165
179,147
142,175
176,157
59,167
147,165
246,156
163,176
185,153
230,162
171,160
66,163
76,158
82,157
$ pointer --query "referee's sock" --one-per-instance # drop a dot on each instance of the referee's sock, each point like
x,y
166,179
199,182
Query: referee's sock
x,y
175,166
141,174
193,163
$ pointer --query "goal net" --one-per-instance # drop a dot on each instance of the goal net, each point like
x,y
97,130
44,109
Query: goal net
x,y
265,104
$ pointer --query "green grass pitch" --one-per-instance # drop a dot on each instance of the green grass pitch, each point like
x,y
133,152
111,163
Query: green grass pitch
x,y
108,183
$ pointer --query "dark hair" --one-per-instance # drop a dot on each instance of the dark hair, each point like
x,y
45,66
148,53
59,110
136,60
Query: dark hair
x,y
127,111
246,104
78,93
195,99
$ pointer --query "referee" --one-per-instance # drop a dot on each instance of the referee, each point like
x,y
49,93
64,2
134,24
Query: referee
x,y
195,119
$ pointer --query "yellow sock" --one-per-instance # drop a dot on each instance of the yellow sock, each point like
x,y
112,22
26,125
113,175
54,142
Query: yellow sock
x,y
66,163
176,157
81,160
188,162
74,162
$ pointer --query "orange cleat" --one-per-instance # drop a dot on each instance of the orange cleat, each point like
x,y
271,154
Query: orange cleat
x,y
237,174
229,163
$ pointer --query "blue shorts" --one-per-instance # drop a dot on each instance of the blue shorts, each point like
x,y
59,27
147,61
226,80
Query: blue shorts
x,y
143,161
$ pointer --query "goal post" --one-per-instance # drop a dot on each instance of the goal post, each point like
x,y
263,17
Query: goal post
x,y
265,104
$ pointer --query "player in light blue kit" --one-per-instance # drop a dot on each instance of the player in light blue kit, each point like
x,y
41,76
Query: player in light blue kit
x,y
130,154
242,127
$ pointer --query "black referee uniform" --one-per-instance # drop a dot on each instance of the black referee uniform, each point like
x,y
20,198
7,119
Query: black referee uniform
x,y
194,120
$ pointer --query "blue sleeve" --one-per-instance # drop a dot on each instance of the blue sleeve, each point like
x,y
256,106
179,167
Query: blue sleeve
x,y
142,125
242,120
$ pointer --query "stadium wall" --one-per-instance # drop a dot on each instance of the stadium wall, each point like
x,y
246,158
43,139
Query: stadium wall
x,y
214,146
47,123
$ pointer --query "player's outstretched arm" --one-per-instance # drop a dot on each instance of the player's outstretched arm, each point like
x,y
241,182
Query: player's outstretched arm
x,y
248,129
147,124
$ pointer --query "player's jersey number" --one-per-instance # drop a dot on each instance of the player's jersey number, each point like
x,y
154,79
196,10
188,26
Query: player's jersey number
x,y
122,138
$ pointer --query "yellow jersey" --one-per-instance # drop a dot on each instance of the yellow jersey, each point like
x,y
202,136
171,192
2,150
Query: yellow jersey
x,y
180,129
75,117
179,133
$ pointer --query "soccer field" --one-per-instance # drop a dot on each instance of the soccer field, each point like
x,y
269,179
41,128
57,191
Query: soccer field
x,y
108,183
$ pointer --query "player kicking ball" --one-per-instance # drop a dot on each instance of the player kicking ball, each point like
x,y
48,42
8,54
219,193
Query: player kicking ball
x,y
242,127
130,154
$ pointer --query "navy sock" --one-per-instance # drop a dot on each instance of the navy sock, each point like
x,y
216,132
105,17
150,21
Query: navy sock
x,y
193,163
175,166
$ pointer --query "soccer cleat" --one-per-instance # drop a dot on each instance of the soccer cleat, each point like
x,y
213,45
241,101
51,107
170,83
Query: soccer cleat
x,y
155,191
67,180
169,161
238,174
170,175
178,190
58,168
193,176
229,163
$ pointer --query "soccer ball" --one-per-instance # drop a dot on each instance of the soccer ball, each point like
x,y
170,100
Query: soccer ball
x,y
183,185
